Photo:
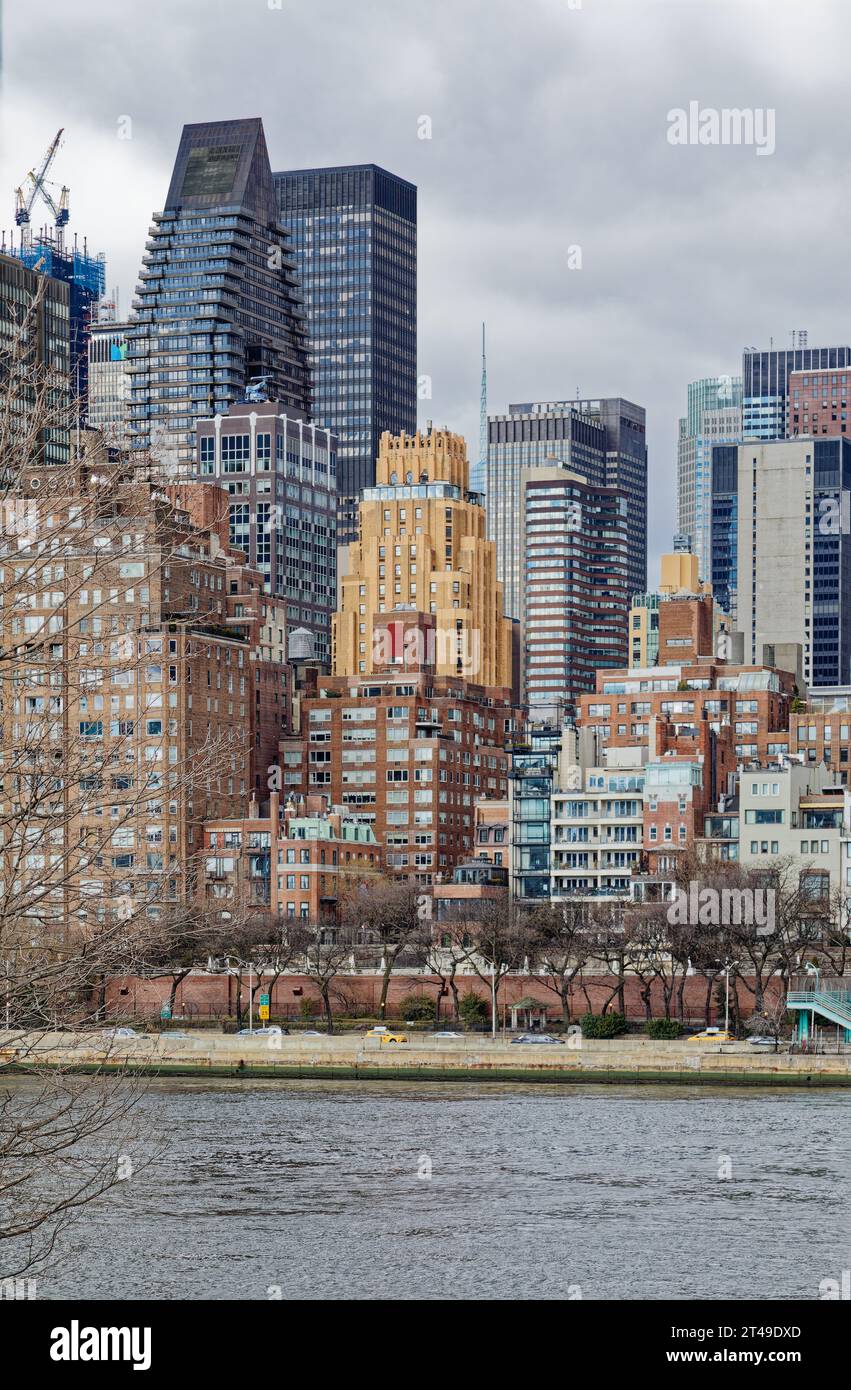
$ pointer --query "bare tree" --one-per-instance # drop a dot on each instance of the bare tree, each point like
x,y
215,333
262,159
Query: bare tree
x,y
559,943
498,943
98,795
328,952
385,912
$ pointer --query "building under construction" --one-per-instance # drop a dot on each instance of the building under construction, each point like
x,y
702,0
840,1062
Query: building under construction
x,y
85,276
48,254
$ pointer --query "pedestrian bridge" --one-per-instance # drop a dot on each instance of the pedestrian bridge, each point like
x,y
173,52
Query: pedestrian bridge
x,y
829,999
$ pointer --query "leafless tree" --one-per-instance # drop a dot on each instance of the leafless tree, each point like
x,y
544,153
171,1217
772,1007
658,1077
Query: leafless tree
x,y
559,942
328,952
387,913
90,871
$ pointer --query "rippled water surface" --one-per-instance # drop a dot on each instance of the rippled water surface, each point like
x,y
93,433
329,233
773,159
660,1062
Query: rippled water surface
x,y
320,1190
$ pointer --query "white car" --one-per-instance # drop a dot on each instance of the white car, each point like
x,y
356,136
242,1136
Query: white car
x,y
447,1033
121,1033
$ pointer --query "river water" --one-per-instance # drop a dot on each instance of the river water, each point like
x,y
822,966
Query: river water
x,y
357,1190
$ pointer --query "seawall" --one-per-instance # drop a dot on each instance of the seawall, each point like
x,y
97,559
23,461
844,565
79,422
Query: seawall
x,y
424,1057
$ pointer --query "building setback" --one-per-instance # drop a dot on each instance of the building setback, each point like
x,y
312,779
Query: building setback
x,y
354,239
423,548
218,302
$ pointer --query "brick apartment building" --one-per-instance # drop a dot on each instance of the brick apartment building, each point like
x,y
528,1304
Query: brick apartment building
x,y
135,675
293,861
754,701
406,750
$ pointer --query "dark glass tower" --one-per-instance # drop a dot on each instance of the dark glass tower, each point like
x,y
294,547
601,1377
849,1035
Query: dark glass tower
x,y
218,300
765,380
40,305
604,440
354,236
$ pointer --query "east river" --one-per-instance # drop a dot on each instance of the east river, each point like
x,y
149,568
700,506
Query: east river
x,y
363,1190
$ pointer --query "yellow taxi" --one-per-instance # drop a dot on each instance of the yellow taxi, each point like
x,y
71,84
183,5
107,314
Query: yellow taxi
x,y
712,1035
385,1035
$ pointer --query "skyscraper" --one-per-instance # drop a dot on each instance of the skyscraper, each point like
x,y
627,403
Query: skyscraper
x,y
423,548
85,277
109,380
218,300
603,440
535,438
714,417
280,475
577,597
765,384
354,238
34,326
783,520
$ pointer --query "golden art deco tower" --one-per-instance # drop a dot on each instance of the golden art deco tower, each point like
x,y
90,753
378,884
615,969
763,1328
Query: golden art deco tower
x,y
423,548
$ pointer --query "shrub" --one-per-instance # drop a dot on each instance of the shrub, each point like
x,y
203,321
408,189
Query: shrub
x,y
662,1028
473,1009
417,1008
602,1025
306,1008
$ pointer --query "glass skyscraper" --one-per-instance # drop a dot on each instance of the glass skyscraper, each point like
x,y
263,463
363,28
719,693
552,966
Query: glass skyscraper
x,y
714,416
218,303
354,238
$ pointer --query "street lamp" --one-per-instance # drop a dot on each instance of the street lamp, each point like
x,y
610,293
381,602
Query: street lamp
x,y
728,966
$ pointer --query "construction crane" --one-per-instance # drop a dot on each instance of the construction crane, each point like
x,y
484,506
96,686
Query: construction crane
x,y
35,184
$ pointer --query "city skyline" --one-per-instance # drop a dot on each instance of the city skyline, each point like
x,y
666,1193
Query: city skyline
x,y
625,322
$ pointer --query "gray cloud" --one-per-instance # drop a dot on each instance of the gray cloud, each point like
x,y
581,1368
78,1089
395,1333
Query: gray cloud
x,y
549,129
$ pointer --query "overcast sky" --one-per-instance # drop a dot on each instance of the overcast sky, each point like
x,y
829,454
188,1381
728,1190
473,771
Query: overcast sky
x,y
549,124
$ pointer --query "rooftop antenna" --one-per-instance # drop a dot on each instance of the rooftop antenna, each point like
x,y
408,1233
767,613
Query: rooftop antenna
x,y
483,422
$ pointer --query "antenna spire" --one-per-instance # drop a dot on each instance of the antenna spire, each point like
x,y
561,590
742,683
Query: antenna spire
x,y
482,469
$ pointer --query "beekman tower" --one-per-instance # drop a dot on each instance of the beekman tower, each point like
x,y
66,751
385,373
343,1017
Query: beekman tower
x,y
218,303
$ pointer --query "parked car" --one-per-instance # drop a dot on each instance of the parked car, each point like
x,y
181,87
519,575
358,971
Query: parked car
x,y
268,1032
713,1035
385,1035
538,1038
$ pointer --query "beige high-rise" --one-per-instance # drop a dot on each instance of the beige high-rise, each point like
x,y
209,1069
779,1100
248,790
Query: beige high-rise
x,y
423,547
